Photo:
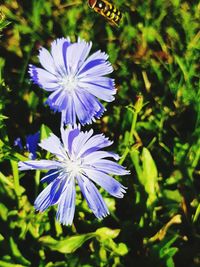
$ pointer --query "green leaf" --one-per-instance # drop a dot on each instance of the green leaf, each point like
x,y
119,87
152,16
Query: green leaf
x,y
106,233
68,245
170,262
121,249
134,153
174,178
3,22
183,66
71,244
3,212
8,264
149,176
167,249
5,180
103,254
2,117
150,34
17,254
45,132
1,237
172,195
197,213
169,252
32,100
150,172
56,264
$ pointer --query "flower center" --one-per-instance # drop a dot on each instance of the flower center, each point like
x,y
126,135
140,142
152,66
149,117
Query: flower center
x,y
73,167
69,82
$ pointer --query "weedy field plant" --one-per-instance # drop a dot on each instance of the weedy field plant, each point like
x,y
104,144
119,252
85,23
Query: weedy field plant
x,y
57,119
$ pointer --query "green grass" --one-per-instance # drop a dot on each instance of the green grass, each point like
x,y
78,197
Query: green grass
x,y
154,121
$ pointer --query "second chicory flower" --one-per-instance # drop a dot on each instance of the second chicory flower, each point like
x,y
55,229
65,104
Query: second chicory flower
x,y
74,80
79,157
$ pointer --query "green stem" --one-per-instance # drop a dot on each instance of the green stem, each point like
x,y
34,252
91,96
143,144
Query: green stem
x,y
135,114
124,155
26,63
130,139
196,213
37,182
16,178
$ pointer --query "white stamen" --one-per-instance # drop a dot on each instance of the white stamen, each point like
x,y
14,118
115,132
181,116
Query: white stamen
x,y
69,82
73,167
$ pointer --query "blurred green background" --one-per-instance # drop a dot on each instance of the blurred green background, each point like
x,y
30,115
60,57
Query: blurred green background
x,y
154,121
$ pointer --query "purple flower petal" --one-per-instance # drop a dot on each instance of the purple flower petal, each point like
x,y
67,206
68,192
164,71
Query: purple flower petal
x,y
110,167
69,114
93,197
100,112
46,60
58,52
53,145
38,165
51,175
85,106
72,135
104,82
58,100
76,54
96,59
66,205
97,155
80,141
49,196
43,200
95,143
99,91
32,143
112,186
43,78
18,142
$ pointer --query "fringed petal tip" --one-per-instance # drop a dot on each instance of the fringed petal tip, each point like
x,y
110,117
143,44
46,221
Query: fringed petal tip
x,y
21,166
61,40
33,75
24,166
102,215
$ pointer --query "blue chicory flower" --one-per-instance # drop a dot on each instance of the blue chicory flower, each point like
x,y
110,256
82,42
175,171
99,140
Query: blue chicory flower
x,y
78,158
32,141
74,80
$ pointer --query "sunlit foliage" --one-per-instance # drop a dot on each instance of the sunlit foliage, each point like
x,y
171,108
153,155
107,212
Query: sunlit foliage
x,y
154,121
